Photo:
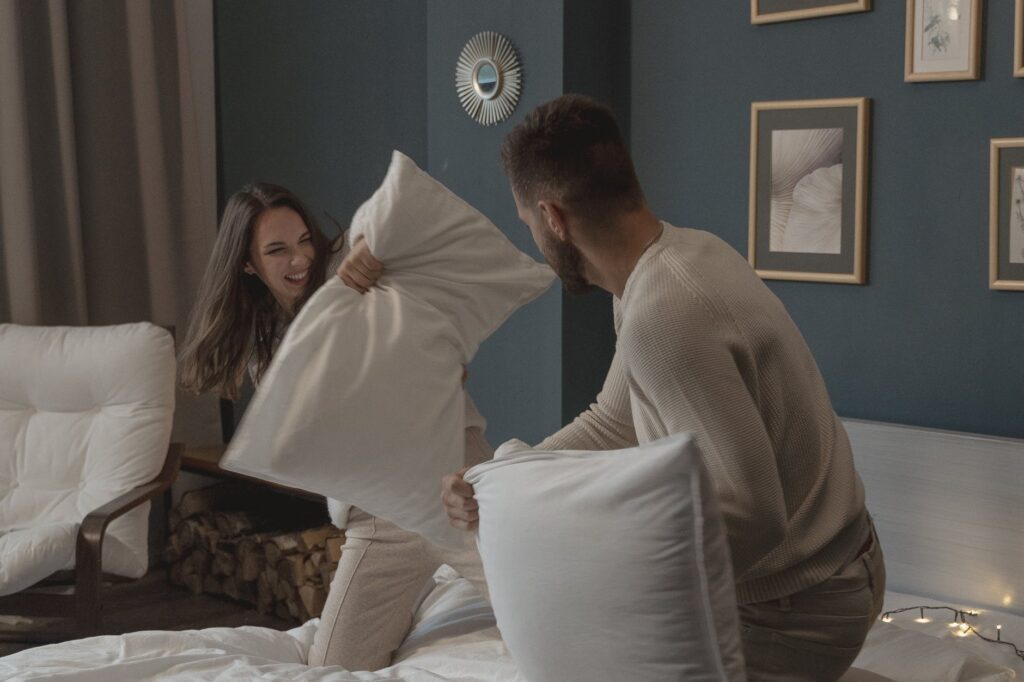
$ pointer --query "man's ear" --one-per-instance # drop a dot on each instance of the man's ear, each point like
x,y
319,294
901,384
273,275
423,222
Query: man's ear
x,y
554,216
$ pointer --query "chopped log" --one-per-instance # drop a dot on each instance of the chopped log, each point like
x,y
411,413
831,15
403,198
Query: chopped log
x,y
313,599
293,609
317,558
279,593
289,590
224,562
187,534
272,553
208,537
281,610
312,538
310,572
170,555
334,547
230,524
327,571
292,569
264,594
250,565
287,542
200,560
271,573
194,583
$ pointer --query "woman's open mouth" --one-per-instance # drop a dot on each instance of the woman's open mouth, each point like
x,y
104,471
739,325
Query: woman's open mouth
x,y
298,277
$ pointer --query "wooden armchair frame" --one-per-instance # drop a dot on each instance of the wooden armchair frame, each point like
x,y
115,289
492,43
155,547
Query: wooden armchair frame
x,y
84,604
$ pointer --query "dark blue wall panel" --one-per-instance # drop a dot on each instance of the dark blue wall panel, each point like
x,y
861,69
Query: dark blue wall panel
x,y
925,342
314,95
516,377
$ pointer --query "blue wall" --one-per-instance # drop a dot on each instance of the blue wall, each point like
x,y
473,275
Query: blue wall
x,y
314,95
516,377
925,342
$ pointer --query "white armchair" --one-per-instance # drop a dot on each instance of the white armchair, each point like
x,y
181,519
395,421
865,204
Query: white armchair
x,y
85,423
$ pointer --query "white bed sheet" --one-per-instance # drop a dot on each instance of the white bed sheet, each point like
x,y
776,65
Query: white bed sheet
x,y
454,638
938,627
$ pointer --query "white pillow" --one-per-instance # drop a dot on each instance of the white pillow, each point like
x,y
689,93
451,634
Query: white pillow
x,y
608,565
363,401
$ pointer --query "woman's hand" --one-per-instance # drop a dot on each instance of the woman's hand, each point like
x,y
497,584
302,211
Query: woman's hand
x,y
459,503
360,270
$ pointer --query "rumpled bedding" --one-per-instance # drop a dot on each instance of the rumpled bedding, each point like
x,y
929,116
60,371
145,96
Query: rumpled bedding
x,y
454,638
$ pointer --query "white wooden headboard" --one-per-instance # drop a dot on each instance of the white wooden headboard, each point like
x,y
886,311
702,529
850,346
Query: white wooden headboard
x,y
949,510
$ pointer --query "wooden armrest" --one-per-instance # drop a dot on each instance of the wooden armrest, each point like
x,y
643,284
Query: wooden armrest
x,y
89,549
96,521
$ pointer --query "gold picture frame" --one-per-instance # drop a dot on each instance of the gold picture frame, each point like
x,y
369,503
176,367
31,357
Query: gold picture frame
x,y
1006,214
808,190
791,10
943,41
1018,41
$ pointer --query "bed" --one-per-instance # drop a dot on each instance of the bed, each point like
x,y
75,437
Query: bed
x,y
947,507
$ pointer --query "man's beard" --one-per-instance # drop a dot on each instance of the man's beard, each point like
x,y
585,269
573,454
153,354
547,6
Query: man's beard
x,y
567,262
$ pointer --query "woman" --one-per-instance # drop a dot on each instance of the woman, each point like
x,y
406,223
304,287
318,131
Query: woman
x,y
268,259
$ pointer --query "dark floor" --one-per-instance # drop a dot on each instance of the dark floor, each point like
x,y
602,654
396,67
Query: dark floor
x,y
152,603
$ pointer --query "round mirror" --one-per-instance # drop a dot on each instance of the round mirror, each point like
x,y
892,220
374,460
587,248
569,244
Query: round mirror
x,y
488,77
485,82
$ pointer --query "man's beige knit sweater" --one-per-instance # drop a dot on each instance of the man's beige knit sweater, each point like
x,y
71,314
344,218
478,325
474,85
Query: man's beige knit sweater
x,y
704,346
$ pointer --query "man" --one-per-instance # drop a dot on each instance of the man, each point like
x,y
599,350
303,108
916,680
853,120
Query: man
x,y
705,347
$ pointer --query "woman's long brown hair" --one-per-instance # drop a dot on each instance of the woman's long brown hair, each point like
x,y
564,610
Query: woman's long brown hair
x,y
235,317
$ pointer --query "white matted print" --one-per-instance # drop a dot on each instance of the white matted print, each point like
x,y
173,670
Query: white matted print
x,y
807,190
1016,239
943,40
1006,214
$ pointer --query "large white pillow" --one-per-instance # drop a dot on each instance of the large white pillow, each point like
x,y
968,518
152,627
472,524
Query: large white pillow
x,y
363,401
608,565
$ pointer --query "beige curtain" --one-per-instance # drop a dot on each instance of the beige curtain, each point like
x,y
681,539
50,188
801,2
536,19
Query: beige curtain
x,y
107,166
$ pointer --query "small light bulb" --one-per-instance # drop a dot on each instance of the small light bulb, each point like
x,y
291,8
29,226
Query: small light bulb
x,y
886,618
999,633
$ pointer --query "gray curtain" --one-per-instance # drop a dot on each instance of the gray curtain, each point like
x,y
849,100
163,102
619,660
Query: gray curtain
x,y
107,166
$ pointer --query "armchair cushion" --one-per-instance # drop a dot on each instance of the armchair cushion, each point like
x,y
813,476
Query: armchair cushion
x,y
85,416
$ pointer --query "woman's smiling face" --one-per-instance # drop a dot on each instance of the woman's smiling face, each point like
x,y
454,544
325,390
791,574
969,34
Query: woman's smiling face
x,y
281,254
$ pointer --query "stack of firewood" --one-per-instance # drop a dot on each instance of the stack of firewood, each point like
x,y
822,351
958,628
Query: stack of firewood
x,y
251,556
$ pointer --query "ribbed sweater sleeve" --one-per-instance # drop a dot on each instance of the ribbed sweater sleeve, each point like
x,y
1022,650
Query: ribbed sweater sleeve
x,y
607,425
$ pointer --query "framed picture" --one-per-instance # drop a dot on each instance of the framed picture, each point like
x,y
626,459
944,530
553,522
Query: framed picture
x,y
943,40
1006,215
1018,42
769,11
808,190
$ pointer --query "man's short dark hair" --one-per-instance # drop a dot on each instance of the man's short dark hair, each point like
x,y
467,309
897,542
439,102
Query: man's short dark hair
x,y
571,150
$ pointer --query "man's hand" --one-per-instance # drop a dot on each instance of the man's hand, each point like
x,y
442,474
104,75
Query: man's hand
x,y
458,501
360,270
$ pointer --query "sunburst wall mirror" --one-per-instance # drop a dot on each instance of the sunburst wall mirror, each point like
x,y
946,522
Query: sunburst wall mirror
x,y
489,77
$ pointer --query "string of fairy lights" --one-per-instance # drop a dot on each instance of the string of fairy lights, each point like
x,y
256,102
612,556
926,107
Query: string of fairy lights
x,y
964,629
